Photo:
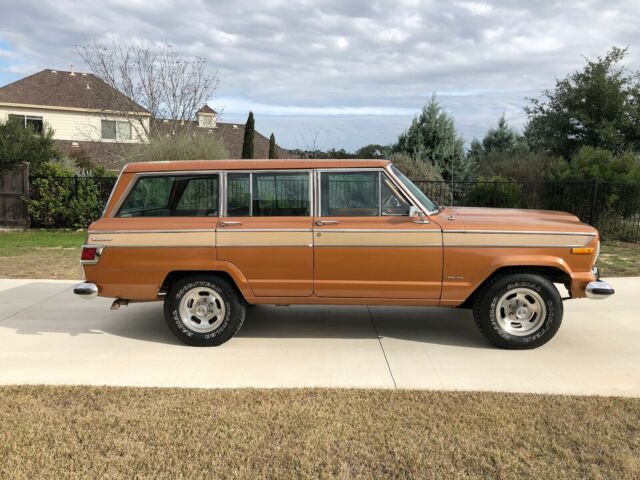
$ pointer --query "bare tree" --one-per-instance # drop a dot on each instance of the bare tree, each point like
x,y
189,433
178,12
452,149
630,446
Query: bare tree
x,y
157,77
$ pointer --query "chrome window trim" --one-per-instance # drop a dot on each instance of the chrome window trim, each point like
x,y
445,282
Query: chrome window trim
x,y
308,171
406,191
138,175
106,205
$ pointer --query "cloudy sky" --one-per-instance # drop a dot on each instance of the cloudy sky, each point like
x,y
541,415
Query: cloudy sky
x,y
341,73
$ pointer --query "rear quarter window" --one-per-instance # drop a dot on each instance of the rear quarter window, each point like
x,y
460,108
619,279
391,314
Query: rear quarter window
x,y
173,196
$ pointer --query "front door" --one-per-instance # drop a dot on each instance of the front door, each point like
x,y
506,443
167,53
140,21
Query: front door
x,y
367,246
266,231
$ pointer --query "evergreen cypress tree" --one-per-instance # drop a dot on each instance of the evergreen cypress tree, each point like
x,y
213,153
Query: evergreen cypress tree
x,y
273,151
247,146
432,137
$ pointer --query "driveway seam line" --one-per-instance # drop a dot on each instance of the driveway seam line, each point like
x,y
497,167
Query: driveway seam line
x,y
384,354
35,304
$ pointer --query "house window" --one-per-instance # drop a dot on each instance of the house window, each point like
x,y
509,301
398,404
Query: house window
x,y
28,121
116,130
108,130
124,130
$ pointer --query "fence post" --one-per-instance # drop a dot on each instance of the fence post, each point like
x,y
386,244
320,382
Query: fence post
x,y
594,198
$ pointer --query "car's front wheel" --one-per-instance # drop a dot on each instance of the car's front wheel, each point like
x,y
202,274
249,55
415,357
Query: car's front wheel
x,y
203,310
518,310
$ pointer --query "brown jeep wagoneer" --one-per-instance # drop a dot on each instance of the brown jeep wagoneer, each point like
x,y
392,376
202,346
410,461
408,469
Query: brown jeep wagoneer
x,y
212,237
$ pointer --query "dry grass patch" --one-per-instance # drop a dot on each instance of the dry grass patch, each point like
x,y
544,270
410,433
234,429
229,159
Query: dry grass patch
x,y
620,259
41,254
87,432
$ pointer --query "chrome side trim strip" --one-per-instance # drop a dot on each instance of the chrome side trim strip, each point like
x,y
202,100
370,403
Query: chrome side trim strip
x,y
379,230
401,245
528,232
185,230
460,245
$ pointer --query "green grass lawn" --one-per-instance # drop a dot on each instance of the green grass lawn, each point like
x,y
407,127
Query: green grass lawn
x,y
92,432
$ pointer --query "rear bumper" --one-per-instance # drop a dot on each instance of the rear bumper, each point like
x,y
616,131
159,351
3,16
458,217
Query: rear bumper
x,y
86,290
599,290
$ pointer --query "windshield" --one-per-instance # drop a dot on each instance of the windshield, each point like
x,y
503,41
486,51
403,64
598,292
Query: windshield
x,y
431,206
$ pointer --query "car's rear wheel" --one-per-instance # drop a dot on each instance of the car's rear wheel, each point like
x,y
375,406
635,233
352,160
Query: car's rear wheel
x,y
203,310
518,310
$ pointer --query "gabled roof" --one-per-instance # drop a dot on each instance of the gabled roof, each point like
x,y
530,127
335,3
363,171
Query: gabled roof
x,y
207,109
56,88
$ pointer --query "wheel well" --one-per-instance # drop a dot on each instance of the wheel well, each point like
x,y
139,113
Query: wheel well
x,y
556,275
176,275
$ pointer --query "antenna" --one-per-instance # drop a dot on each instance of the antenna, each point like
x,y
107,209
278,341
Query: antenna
x,y
451,162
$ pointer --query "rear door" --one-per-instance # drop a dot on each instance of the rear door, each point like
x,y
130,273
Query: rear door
x,y
365,243
266,231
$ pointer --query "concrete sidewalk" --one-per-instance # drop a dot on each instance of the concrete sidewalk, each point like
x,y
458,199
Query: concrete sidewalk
x,y
48,336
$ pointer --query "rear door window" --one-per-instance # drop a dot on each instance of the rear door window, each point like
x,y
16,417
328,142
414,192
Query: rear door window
x,y
268,194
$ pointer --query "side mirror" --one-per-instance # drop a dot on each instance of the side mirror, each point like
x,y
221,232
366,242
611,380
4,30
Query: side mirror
x,y
417,215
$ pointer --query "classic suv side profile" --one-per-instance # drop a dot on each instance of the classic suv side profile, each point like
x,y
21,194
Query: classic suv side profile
x,y
213,237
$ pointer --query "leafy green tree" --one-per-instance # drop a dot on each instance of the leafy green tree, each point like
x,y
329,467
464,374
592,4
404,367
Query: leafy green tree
x,y
432,137
371,151
20,144
247,145
598,106
273,150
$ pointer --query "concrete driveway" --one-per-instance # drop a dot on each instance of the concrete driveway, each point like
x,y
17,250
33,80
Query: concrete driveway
x,y
48,336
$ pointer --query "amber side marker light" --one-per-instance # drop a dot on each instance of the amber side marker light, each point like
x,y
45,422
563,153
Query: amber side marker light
x,y
582,250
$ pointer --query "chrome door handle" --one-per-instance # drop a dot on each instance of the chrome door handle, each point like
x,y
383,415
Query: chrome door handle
x,y
229,224
321,223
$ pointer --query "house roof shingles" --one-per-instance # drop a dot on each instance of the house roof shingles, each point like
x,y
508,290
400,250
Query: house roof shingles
x,y
55,88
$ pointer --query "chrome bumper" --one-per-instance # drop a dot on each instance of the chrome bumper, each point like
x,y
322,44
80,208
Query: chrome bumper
x,y
86,290
599,290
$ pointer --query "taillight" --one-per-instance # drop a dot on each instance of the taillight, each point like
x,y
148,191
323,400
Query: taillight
x,y
90,254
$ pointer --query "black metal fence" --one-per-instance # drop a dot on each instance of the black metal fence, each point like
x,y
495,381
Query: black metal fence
x,y
614,208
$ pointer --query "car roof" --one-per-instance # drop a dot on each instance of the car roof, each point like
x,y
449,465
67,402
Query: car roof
x,y
195,165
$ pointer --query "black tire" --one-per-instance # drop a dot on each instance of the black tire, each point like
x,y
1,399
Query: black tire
x,y
510,332
224,296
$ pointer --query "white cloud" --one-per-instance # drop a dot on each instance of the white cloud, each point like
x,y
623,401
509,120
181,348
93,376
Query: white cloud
x,y
336,61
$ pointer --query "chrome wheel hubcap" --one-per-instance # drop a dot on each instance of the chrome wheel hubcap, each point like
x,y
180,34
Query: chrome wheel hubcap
x,y
202,310
521,312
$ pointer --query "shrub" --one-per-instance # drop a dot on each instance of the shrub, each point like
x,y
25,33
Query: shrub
x,y
495,192
522,166
599,164
184,145
20,144
61,199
